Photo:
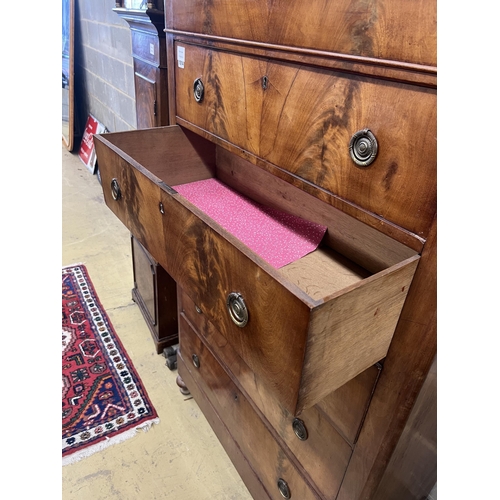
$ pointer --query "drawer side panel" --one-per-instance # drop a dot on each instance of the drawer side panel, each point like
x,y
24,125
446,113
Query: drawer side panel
x,y
353,331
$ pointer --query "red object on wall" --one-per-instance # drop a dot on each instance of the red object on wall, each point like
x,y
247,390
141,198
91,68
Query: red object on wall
x,y
87,151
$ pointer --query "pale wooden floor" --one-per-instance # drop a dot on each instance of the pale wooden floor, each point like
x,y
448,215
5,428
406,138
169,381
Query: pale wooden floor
x,y
180,458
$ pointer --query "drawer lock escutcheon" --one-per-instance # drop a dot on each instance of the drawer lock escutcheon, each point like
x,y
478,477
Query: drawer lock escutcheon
x,y
198,90
237,309
300,429
283,488
265,82
115,190
363,147
161,208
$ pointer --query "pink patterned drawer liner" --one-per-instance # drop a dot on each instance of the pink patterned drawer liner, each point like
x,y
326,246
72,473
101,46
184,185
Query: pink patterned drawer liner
x,y
278,237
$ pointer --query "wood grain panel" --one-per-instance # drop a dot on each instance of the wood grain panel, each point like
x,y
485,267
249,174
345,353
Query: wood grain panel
x,y
244,468
304,121
212,266
146,46
412,470
358,324
145,103
324,446
155,292
406,366
169,155
347,406
267,457
386,29
138,206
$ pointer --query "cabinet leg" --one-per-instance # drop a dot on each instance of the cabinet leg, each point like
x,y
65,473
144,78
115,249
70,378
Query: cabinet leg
x,y
171,354
182,386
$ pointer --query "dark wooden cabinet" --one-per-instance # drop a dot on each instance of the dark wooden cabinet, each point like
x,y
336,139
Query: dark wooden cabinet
x,y
320,383
155,293
150,64
154,290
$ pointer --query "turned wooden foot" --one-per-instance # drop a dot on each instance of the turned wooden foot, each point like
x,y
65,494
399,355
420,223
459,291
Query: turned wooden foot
x,y
182,386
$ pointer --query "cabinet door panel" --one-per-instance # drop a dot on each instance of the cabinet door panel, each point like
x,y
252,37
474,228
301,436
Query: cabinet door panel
x,y
145,101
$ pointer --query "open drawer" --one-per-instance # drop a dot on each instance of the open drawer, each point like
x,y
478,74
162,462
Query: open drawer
x,y
312,325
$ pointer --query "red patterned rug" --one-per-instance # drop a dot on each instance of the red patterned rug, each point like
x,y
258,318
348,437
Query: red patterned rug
x,y
103,399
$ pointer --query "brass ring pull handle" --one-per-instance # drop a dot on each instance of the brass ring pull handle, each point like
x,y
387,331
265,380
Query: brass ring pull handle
x,y
115,190
237,309
196,360
283,488
299,429
363,147
198,90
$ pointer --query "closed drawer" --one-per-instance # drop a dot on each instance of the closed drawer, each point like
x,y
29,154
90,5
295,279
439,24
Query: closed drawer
x,y
312,325
304,121
312,439
146,46
240,462
345,408
389,29
253,435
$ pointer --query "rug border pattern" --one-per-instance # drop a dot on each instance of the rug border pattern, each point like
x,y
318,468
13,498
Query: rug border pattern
x,y
133,388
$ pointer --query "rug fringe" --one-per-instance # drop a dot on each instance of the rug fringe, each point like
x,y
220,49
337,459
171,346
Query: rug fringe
x,y
74,265
77,456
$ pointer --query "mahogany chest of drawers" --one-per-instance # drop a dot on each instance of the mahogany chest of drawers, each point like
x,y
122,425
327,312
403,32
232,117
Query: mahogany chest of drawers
x,y
308,373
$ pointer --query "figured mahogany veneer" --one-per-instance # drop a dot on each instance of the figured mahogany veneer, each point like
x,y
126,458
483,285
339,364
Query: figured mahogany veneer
x,y
344,338
385,29
247,428
303,122
345,407
325,334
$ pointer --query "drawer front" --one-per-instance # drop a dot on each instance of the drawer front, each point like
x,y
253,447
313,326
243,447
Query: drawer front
x,y
322,445
260,448
244,468
304,121
146,47
211,267
133,198
356,28
344,408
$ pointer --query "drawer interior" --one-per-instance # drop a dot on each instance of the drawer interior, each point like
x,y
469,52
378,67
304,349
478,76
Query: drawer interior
x,y
174,155
350,251
323,272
